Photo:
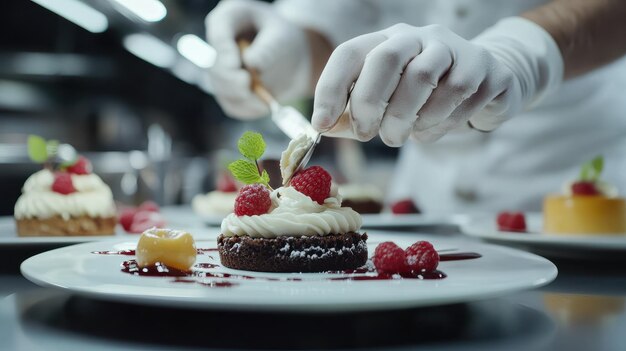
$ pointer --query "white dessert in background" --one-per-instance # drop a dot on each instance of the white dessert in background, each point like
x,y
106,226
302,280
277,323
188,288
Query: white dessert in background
x,y
92,198
360,192
214,204
84,207
362,197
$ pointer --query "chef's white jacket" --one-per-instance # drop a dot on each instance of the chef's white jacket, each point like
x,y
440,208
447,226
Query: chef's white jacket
x,y
530,155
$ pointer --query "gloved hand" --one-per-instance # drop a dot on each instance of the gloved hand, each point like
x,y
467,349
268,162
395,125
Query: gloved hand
x,y
279,53
426,81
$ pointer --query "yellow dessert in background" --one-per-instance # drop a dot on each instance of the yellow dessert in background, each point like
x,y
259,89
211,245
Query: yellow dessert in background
x,y
587,206
173,248
584,215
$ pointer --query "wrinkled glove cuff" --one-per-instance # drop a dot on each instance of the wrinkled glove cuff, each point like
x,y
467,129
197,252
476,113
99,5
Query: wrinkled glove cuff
x,y
529,52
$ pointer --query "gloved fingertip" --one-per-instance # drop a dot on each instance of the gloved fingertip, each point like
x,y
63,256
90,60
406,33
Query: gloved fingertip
x,y
321,122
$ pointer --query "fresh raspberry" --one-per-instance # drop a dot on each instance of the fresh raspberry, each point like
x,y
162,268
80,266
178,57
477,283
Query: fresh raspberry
x,y
226,183
63,183
511,221
389,258
82,166
144,220
422,257
313,182
253,199
127,216
150,206
584,188
405,206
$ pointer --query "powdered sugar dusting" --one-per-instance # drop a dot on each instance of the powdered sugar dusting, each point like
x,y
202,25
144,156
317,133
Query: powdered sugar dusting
x,y
318,252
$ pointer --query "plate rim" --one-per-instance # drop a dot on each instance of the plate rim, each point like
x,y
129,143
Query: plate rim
x,y
304,307
487,231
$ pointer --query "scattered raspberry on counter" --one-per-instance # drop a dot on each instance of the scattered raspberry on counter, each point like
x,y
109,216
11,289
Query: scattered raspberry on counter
x,y
136,220
405,206
511,222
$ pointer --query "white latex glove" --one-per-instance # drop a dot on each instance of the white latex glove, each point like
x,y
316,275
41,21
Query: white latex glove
x,y
426,81
279,53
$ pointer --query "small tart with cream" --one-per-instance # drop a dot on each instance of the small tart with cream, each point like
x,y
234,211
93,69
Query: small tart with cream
x,y
66,200
586,206
299,227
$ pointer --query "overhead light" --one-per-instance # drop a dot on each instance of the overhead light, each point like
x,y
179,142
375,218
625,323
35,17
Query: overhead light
x,y
196,50
147,10
186,71
78,13
150,49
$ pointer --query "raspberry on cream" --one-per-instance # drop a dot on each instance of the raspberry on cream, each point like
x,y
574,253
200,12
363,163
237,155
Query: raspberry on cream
x,y
293,213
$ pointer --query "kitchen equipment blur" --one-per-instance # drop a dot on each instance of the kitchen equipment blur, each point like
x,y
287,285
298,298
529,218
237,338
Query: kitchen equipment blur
x,y
125,85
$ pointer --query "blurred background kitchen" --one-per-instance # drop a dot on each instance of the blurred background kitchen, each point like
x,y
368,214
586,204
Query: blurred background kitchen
x,y
125,83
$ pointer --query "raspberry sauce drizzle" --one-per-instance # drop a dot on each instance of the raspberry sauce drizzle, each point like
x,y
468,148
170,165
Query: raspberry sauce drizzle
x,y
121,252
132,252
161,270
458,256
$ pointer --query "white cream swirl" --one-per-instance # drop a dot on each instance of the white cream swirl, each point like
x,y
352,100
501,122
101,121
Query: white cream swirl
x,y
360,192
214,203
92,198
295,214
291,157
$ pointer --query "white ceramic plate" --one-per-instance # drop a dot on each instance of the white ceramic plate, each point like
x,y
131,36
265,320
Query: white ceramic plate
x,y
485,227
500,271
394,221
179,217
212,221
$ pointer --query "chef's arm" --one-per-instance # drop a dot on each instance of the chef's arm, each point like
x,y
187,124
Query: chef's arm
x,y
589,34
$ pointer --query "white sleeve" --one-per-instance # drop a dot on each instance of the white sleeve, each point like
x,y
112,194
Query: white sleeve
x,y
336,20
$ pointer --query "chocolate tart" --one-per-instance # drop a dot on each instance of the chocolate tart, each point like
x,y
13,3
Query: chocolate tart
x,y
294,253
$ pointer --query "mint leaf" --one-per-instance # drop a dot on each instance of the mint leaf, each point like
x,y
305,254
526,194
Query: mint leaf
x,y
265,178
244,171
37,149
590,171
251,145
597,164
53,147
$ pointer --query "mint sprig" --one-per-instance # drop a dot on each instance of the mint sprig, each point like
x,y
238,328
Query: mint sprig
x,y
590,171
252,146
50,152
37,149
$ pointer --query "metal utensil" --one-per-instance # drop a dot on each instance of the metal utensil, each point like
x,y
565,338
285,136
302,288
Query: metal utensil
x,y
305,158
288,119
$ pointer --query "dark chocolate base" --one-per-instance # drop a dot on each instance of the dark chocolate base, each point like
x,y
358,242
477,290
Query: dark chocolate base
x,y
294,254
